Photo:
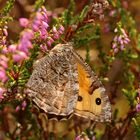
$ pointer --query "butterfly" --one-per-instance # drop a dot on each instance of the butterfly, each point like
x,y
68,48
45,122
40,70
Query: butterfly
x,y
62,83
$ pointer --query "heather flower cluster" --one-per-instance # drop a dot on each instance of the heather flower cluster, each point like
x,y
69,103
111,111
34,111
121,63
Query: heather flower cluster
x,y
14,52
98,8
120,40
3,58
41,29
21,107
36,30
20,51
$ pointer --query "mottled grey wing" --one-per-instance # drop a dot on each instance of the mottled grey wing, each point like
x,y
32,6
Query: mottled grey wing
x,y
53,85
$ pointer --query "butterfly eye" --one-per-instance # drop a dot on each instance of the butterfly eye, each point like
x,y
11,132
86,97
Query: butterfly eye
x,y
80,98
98,101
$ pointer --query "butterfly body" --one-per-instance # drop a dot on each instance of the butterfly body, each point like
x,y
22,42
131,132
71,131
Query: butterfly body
x,y
62,83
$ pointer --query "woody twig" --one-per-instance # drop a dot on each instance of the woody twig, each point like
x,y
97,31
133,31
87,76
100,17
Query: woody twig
x,y
96,11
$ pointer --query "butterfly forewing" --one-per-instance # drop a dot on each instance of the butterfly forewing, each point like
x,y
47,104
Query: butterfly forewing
x,y
53,85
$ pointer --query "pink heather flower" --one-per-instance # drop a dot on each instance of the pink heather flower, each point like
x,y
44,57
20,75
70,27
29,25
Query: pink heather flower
x,y
19,56
24,45
24,104
40,23
106,28
93,138
115,30
114,45
54,29
5,32
56,36
138,107
45,25
4,50
43,37
3,41
124,33
37,22
44,12
35,27
116,50
27,44
115,38
126,40
17,108
49,13
43,48
44,9
43,33
3,76
3,64
27,34
120,40
45,17
24,22
122,47
39,16
4,58
12,48
82,138
50,41
78,138
112,13
2,90
23,48
61,29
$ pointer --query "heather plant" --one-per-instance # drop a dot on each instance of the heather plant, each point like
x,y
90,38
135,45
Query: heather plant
x,y
108,28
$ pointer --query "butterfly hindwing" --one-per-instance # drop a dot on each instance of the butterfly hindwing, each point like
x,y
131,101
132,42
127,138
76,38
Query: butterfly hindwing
x,y
93,101
53,85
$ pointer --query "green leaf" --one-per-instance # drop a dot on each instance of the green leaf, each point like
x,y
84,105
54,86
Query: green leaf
x,y
83,13
138,45
68,14
134,56
118,4
7,8
131,95
136,127
112,2
38,4
65,17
